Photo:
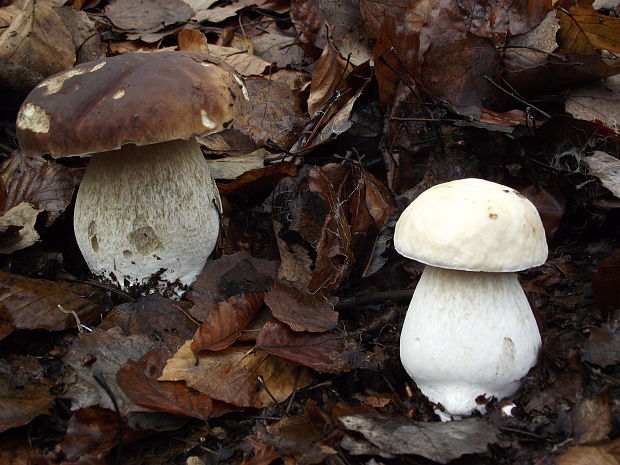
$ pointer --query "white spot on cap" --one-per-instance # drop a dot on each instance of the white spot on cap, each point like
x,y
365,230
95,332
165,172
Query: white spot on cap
x,y
206,122
34,118
54,83
205,64
118,94
243,88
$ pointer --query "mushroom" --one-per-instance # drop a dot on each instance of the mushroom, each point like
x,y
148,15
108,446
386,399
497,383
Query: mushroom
x,y
147,205
469,330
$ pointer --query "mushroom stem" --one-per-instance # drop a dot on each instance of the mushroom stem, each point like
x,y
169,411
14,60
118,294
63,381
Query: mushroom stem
x,y
468,334
146,210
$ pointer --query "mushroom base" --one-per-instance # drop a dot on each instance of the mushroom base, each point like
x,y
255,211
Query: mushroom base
x,y
468,334
147,211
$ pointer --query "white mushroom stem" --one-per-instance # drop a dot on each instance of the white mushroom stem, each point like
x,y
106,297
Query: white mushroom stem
x,y
468,334
141,210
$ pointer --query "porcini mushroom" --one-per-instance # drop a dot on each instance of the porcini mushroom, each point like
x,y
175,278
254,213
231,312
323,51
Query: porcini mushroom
x,y
469,331
147,204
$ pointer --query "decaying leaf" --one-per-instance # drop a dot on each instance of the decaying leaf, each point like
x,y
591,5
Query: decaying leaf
x,y
94,432
139,381
330,74
229,168
301,310
603,345
240,376
27,303
228,276
47,185
598,101
604,453
163,320
593,419
325,353
607,169
24,392
17,228
38,39
95,358
585,31
225,321
136,16
441,442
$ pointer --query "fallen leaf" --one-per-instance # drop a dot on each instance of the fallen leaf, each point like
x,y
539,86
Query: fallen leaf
x,y
225,321
219,14
232,375
24,392
17,228
593,419
38,39
272,114
279,49
84,35
95,431
99,355
47,185
438,441
229,276
371,203
549,202
585,31
242,61
325,353
604,453
27,303
603,346
139,381
16,448
162,320
607,169
330,74
597,102
151,16
302,438
229,168
300,310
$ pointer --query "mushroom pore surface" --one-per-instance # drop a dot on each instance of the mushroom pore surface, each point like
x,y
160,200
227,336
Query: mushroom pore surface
x,y
149,209
468,334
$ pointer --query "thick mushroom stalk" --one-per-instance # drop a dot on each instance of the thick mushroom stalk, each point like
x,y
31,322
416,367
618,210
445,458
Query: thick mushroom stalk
x,y
468,334
143,211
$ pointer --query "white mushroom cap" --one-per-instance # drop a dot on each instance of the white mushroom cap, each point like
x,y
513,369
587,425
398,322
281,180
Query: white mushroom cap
x,y
472,225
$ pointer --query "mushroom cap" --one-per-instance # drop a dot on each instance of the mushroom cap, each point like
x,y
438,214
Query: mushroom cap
x,y
139,98
472,225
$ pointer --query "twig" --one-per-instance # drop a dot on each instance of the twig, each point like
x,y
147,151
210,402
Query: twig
x,y
525,102
121,428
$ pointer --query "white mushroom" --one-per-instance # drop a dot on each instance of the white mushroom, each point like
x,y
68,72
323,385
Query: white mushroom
x,y
469,330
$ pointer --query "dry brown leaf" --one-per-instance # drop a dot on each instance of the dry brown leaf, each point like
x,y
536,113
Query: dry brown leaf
x,y
95,431
243,62
330,74
604,453
440,442
151,16
139,381
301,310
105,352
273,113
17,228
603,346
84,35
38,39
229,168
24,392
325,353
27,303
607,169
585,31
163,320
233,375
47,185
225,321
597,102
593,419
228,276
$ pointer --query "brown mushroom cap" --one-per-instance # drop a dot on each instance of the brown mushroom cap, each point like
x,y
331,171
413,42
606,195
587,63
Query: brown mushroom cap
x,y
140,98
